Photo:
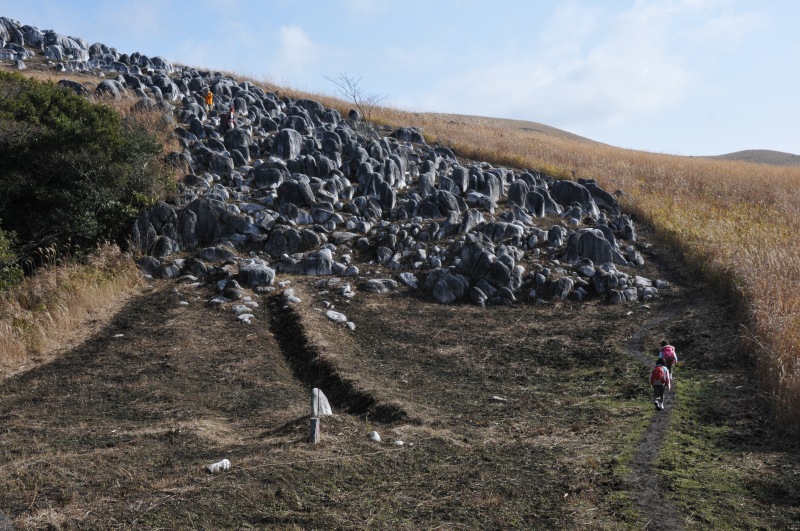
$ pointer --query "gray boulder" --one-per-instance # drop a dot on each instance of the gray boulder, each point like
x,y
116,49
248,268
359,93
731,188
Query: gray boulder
x,y
288,144
518,193
556,235
472,220
409,279
568,192
149,265
319,263
603,199
160,220
562,288
74,86
477,296
288,240
217,253
255,273
238,139
269,177
110,87
588,244
207,220
446,287
409,134
380,285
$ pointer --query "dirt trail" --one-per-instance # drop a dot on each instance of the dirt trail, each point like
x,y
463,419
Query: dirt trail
x,y
643,481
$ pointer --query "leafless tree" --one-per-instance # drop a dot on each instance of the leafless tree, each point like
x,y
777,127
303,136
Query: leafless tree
x,y
350,88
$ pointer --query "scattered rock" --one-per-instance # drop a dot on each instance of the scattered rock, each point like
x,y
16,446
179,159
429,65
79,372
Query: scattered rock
x,y
219,466
336,316
297,185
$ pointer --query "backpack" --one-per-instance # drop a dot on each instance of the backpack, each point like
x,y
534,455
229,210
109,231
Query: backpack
x,y
668,353
659,375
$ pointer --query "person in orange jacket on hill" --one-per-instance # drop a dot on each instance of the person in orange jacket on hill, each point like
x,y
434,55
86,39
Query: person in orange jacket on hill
x,y
209,101
668,354
659,379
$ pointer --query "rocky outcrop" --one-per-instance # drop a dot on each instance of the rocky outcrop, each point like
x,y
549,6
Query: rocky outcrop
x,y
299,189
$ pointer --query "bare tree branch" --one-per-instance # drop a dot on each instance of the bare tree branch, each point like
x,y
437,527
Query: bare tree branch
x,y
350,88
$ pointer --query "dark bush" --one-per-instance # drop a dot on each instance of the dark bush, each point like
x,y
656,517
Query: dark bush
x,y
72,172
10,271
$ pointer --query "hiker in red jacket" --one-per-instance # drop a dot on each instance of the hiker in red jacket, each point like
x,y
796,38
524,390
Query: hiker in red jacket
x,y
659,379
228,121
668,354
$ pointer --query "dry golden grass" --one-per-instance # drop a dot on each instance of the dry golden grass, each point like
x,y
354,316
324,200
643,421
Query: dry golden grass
x,y
38,314
733,222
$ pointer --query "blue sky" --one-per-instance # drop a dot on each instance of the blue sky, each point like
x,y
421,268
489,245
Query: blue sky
x,y
688,77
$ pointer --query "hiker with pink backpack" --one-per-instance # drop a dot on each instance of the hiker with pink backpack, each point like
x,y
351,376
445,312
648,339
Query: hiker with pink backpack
x,y
668,354
660,379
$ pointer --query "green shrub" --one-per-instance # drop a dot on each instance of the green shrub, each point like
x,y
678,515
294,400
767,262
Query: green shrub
x,y
71,171
10,272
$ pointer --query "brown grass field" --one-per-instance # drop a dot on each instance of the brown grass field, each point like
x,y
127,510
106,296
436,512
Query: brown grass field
x,y
730,220
109,414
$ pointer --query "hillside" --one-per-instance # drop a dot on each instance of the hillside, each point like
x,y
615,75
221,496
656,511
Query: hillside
x,y
534,417
763,156
515,125
494,325
757,156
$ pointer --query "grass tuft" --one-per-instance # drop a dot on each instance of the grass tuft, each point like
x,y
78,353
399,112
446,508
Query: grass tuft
x,y
37,313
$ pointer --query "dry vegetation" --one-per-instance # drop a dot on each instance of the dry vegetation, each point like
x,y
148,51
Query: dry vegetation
x,y
731,221
41,313
114,433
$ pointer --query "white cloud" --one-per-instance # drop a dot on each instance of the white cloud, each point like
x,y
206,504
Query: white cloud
x,y
297,53
604,68
594,67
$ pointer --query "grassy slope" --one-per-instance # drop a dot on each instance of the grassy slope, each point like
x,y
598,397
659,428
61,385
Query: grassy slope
x,y
725,465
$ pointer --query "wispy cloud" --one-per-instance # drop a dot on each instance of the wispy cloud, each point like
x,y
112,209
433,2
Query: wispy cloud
x,y
297,53
593,66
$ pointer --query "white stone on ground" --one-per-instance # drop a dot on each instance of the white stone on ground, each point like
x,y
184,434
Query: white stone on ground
x,y
336,316
218,466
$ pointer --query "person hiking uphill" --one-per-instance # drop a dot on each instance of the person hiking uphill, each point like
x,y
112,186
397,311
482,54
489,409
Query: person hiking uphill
x,y
668,354
209,102
659,379
229,121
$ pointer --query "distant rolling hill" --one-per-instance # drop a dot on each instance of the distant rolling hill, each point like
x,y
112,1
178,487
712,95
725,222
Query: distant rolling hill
x,y
763,156
521,125
759,156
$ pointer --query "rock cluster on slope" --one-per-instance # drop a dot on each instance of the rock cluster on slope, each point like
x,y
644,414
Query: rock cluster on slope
x,y
297,188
